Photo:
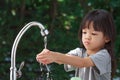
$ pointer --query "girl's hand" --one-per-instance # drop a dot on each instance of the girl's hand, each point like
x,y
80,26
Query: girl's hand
x,y
45,57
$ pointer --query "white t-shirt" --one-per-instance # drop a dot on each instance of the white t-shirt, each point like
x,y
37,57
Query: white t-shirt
x,y
101,70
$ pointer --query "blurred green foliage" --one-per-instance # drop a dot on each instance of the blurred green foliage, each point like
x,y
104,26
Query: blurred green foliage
x,y
61,17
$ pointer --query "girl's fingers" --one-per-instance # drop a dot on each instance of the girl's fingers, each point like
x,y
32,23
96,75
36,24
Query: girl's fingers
x,y
44,61
44,57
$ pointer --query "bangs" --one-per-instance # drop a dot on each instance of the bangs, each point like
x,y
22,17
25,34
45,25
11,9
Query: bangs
x,y
98,19
97,23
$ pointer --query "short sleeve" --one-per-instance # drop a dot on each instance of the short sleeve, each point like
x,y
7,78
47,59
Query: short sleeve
x,y
74,52
102,61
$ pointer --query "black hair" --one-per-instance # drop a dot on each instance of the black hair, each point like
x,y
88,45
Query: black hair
x,y
102,21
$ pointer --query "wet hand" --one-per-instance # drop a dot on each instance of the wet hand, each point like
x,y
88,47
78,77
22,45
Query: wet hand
x,y
45,57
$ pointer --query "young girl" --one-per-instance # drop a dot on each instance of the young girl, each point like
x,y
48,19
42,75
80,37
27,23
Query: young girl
x,y
95,60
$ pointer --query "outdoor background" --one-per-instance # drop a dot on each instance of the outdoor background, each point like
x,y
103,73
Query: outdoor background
x,y
61,17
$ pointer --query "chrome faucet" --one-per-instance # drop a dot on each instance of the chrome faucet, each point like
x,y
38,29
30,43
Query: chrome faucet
x,y
13,70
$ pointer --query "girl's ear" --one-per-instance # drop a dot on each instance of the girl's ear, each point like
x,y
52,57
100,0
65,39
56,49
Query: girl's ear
x,y
107,40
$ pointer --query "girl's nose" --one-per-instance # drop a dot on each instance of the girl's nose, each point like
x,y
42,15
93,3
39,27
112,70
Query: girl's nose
x,y
88,36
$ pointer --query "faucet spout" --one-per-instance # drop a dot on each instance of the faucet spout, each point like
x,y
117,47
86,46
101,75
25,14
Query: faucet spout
x,y
44,32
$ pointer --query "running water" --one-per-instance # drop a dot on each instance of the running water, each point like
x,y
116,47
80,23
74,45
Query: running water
x,y
42,66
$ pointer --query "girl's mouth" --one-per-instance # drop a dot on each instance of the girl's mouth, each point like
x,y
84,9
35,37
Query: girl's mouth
x,y
86,42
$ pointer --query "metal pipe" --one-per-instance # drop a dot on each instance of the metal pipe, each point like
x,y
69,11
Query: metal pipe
x,y
44,32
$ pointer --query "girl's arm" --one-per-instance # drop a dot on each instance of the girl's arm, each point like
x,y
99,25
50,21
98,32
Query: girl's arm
x,y
47,57
73,60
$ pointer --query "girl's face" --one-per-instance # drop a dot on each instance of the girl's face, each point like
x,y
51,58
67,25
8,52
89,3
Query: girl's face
x,y
93,40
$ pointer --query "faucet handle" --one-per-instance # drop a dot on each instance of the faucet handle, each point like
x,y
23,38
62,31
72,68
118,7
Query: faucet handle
x,y
19,72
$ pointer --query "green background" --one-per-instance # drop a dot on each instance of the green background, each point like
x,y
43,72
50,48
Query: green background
x,y
61,17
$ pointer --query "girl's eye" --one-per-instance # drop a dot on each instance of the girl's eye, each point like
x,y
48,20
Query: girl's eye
x,y
94,34
84,32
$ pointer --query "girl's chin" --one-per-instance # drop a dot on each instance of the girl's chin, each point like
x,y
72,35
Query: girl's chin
x,y
87,47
